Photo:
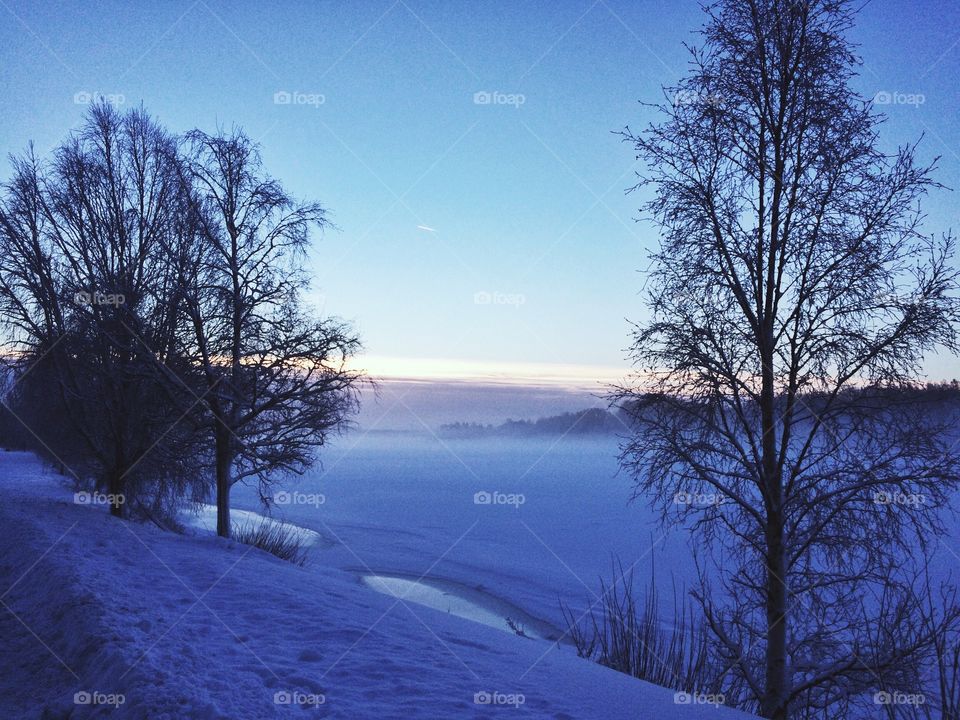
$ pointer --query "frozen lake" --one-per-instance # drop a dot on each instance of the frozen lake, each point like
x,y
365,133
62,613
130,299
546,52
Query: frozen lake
x,y
523,522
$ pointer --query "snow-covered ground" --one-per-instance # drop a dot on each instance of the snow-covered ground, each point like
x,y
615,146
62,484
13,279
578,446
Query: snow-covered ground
x,y
193,626
531,522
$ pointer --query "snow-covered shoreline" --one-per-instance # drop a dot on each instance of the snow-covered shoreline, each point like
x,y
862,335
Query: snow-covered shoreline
x,y
204,519
462,601
185,626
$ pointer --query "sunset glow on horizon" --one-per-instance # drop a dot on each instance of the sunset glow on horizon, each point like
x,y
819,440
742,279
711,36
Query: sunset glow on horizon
x,y
557,375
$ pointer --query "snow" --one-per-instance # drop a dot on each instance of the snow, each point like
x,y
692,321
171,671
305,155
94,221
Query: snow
x,y
204,519
406,506
464,602
155,624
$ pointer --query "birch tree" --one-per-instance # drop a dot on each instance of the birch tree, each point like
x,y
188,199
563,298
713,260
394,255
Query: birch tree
x,y
791,302
276,377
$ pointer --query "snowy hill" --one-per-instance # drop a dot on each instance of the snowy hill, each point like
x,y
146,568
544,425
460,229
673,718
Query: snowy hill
x,y
107,618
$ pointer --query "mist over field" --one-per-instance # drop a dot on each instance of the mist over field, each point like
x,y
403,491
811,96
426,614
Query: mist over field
x,y
419,405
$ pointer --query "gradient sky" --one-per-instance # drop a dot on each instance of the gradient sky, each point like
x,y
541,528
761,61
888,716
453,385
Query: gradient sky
x,y
438,198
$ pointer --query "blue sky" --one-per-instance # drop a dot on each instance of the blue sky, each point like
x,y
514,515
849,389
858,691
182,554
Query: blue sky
x,y
479,233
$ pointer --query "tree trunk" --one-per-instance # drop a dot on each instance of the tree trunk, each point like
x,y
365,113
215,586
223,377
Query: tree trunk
x,y
774,702
777,682
115,483
115,493
224,471
224,455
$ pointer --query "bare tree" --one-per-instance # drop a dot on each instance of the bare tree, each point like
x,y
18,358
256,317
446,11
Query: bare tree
x,y
792,300
275,375
85,297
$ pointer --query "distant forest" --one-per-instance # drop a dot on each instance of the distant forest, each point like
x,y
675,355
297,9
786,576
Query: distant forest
x,y
938,398
593,421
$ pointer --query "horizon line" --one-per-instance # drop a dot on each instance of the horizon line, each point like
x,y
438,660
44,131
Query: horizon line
x,y
560,376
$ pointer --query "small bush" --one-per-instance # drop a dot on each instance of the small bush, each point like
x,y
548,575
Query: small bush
x,y
277,538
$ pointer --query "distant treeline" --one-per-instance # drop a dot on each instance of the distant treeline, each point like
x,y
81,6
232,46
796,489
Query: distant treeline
x,y
941,396
938,397
593,421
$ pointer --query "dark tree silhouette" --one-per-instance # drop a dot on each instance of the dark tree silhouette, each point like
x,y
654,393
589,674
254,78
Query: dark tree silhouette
x,y
276,378
85,298
792,298
154,303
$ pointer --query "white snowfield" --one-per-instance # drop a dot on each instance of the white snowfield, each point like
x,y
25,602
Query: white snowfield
x,y
108,618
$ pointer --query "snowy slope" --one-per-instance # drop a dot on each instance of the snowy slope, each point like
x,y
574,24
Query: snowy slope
x,y
199,627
